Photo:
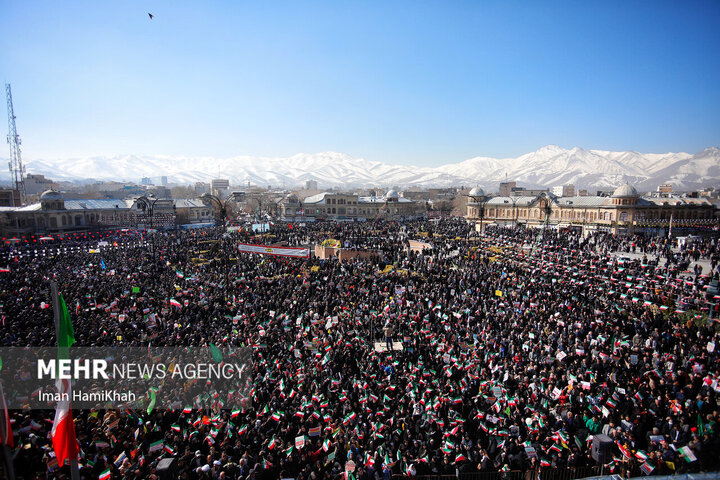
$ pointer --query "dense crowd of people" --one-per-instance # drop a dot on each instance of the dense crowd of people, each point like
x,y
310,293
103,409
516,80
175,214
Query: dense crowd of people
x,y
508,350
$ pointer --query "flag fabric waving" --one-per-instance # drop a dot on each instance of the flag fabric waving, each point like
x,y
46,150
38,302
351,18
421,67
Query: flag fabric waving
x,y
63,429
6,435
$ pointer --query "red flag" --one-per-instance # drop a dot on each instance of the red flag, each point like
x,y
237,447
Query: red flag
x,y
63,430
6,436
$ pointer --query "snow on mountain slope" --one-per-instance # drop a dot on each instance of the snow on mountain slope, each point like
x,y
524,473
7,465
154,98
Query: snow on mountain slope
x,y
550,165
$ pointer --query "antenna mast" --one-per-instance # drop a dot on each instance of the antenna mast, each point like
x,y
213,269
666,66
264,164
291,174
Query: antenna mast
x,y
17,171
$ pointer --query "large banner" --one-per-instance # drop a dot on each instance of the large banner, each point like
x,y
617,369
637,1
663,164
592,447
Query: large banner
x,y
281,251
331,242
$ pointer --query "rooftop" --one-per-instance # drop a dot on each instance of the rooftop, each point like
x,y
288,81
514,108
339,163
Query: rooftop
x,y
520,201
582,201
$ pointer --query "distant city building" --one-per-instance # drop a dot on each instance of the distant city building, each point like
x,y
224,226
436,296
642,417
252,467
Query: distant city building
x,y
442,192
506,188
623,212
219,186
564,190
9,198
528,192
416,195
510,189
311,185
105,187
163,180
129,191
159,191
145,181
36,184
665,189
238,196
710,192
201,187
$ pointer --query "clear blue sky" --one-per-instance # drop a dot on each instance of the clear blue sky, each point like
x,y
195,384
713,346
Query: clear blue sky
x,y
408,82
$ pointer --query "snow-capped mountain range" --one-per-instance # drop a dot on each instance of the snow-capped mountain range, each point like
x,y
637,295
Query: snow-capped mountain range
x,y
546,167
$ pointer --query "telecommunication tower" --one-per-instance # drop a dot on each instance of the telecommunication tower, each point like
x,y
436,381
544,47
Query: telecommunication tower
x,y
17,171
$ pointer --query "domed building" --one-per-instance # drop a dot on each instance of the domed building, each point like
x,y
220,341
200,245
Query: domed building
x,y
476,192
291,208
391,196
475,203
54,215
52,200
626,190
624,211
341,206
625,195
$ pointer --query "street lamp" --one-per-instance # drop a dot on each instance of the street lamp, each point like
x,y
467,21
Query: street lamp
x,y
222,206
302,210
478,196
382,211
547,208
224,251
148,206
256,210
514,201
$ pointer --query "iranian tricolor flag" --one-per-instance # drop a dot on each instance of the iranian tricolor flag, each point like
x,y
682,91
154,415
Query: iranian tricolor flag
x,y
63,430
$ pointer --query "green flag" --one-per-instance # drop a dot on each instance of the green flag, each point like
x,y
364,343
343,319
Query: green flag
x,y
700,424
66,334
152,401
136,290
215,352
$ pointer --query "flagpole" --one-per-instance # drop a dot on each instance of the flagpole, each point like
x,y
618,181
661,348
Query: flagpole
x,y
74,467
8,462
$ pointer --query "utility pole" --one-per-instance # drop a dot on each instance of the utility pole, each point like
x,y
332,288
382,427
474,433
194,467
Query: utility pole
x,y
17,171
